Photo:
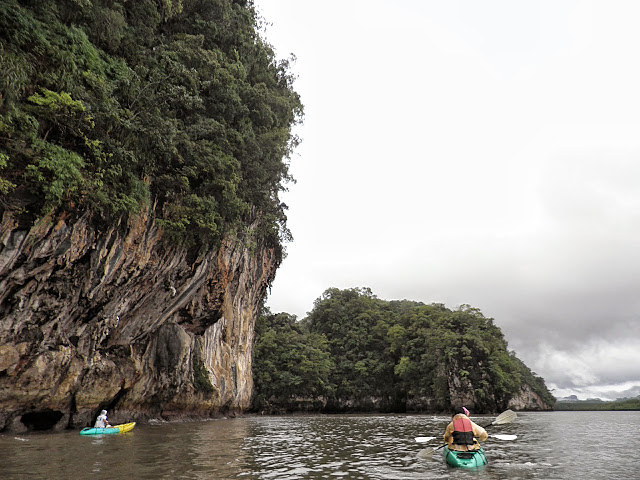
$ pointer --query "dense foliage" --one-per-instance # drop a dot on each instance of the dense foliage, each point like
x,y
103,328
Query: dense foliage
x,y
355,351
114,105
291,366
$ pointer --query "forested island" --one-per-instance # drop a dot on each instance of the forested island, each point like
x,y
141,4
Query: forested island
x,y
356,352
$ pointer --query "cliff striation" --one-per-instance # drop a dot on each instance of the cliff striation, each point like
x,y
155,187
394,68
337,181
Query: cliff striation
x,y
115,319
527,399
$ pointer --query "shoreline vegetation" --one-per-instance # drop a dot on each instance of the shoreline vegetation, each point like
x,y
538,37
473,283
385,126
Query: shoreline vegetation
x,y
355,352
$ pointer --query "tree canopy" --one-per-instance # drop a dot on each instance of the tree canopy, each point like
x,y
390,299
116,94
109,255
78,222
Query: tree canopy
x,y
382,355
115,105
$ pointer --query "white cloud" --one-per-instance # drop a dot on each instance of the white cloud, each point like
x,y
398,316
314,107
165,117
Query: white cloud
x,y
472,152
604,370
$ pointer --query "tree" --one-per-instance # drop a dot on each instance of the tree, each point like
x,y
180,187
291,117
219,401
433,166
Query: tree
x,y
291,366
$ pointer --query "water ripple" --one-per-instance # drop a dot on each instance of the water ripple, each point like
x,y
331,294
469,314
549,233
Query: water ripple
x,y
550,446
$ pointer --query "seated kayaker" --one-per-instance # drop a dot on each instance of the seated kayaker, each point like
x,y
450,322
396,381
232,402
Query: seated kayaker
x,y
101,421
462,434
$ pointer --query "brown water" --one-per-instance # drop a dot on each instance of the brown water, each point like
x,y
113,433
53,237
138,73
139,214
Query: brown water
x,y
556,445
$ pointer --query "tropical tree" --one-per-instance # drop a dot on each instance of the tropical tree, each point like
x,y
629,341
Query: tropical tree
x,y
291,366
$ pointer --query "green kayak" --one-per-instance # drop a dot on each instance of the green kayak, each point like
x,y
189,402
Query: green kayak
x,y
464,459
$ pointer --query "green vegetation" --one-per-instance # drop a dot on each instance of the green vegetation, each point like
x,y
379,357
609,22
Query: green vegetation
x,y
201,381
291,365
620,404
115,105
355,351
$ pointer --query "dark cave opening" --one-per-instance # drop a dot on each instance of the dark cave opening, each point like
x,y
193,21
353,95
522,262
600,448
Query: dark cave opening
x,y
44,420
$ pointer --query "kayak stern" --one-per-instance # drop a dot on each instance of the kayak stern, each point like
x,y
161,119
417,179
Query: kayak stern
x,y
471,459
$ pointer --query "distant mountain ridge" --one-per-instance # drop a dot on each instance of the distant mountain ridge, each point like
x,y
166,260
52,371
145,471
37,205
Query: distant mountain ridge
x,y
573,403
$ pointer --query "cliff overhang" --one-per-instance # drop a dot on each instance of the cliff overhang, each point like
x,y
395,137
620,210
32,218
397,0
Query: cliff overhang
x,y
117,319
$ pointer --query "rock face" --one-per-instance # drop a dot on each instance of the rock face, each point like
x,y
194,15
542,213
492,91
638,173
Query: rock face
x,y
461,392
115,319
527,399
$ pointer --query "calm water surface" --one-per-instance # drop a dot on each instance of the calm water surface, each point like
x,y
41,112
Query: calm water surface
x,y
556,445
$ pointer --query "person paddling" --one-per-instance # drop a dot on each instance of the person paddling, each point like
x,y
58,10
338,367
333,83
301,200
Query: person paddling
x,y
101,421
462,434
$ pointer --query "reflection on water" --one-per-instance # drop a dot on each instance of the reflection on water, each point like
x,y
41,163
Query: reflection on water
x,y
557,445
202,450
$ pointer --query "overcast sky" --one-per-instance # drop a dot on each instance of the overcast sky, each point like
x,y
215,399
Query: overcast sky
x,y
474,152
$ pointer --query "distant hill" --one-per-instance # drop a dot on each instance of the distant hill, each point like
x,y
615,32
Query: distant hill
x,y
572,403
574,398
570,398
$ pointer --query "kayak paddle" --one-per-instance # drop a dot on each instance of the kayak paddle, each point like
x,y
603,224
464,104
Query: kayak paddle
x,y
430,450
498,436
507,416
424,439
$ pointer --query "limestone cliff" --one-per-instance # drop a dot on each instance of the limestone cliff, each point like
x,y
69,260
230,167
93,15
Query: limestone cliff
x,y
115,319
461,392
527,399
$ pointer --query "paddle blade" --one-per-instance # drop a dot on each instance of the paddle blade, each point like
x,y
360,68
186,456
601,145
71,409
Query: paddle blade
x,y
424,439
504,437
426,453
507,416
